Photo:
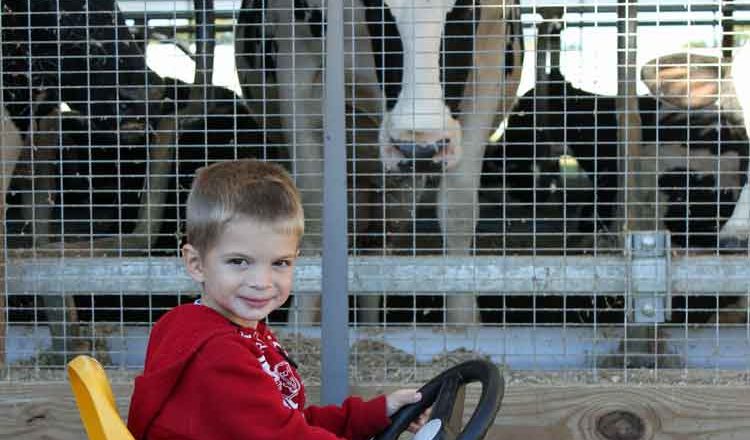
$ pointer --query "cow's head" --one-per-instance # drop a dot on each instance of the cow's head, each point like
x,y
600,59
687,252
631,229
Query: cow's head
x,y
689,81
692,81
419,125
425,52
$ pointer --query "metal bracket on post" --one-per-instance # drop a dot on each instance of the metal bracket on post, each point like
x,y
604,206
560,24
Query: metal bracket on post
x,y
648,253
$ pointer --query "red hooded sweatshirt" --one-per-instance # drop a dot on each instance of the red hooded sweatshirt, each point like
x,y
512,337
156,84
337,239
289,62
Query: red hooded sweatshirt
x,y
206,378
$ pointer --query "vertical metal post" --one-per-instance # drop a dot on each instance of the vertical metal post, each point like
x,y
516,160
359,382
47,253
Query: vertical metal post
x,y
335,303
637,211
635,201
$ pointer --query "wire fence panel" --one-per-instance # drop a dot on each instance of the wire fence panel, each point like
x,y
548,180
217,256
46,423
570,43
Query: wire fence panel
x,y
560,187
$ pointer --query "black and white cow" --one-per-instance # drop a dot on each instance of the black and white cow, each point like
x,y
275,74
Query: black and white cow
x,y
700,157
80,53
434,73
83,55
693,82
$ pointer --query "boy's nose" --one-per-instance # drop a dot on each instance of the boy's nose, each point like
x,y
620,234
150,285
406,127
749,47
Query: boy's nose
x,y
260,281
258,285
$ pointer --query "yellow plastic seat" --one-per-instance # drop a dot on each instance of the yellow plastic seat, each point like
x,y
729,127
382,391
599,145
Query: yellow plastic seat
x,y
95,400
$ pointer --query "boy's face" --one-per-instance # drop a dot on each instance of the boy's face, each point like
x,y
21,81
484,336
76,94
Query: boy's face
x,y
248,273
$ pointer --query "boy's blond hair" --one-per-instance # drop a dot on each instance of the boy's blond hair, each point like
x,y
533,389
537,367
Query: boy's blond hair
x,y
224,191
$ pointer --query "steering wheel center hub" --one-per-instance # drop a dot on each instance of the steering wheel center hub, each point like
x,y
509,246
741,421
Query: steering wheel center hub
x,y
429,431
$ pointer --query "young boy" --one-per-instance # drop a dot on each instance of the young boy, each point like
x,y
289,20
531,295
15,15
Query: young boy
x,y
214,370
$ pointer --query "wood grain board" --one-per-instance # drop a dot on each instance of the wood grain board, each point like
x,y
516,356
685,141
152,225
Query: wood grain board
x,y
587,412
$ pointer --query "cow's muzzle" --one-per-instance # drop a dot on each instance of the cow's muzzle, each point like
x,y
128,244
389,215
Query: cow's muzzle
x,y
421,158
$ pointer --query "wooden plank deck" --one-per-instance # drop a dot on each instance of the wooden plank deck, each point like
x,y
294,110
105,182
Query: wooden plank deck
x,y
38,410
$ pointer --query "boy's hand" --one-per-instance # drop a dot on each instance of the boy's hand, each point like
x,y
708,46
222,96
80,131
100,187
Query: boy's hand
x,y
399,398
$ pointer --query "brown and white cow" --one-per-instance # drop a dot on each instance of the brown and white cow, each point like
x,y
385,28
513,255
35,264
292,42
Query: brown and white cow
x,y
435,74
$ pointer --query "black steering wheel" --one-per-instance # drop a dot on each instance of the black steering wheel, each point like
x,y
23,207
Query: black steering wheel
x,y
440,393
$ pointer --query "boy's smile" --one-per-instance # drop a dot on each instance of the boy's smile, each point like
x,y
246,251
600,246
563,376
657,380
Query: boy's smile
x,y
247,273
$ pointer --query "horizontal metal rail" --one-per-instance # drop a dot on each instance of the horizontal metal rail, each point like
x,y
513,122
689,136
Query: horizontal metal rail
x,y
486,275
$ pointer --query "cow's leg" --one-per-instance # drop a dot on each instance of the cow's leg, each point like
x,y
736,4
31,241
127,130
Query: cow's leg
x,y
162,157
154,196
11,145
306,152
295,49
60,310
307,158
490,90
300,106
458,212
41,200
50,133
365,172
364,100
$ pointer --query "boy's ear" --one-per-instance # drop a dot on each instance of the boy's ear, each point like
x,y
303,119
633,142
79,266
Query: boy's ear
x,y
193,262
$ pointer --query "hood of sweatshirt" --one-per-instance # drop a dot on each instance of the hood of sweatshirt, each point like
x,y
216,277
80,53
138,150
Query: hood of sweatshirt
x,y
173,342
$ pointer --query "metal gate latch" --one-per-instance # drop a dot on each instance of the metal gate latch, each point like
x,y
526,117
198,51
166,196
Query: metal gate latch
x,y
648,253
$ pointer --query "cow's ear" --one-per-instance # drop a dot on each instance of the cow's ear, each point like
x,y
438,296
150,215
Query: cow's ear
x,y
684,80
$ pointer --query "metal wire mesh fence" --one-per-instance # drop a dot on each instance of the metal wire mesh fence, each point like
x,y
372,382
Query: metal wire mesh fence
x,y
560,187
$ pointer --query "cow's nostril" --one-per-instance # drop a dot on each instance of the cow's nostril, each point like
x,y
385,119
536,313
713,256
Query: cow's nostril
x,y
413,150
442,143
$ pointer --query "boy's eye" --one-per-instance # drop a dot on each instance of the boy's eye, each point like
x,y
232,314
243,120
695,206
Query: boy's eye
x,y
237,261
284,263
